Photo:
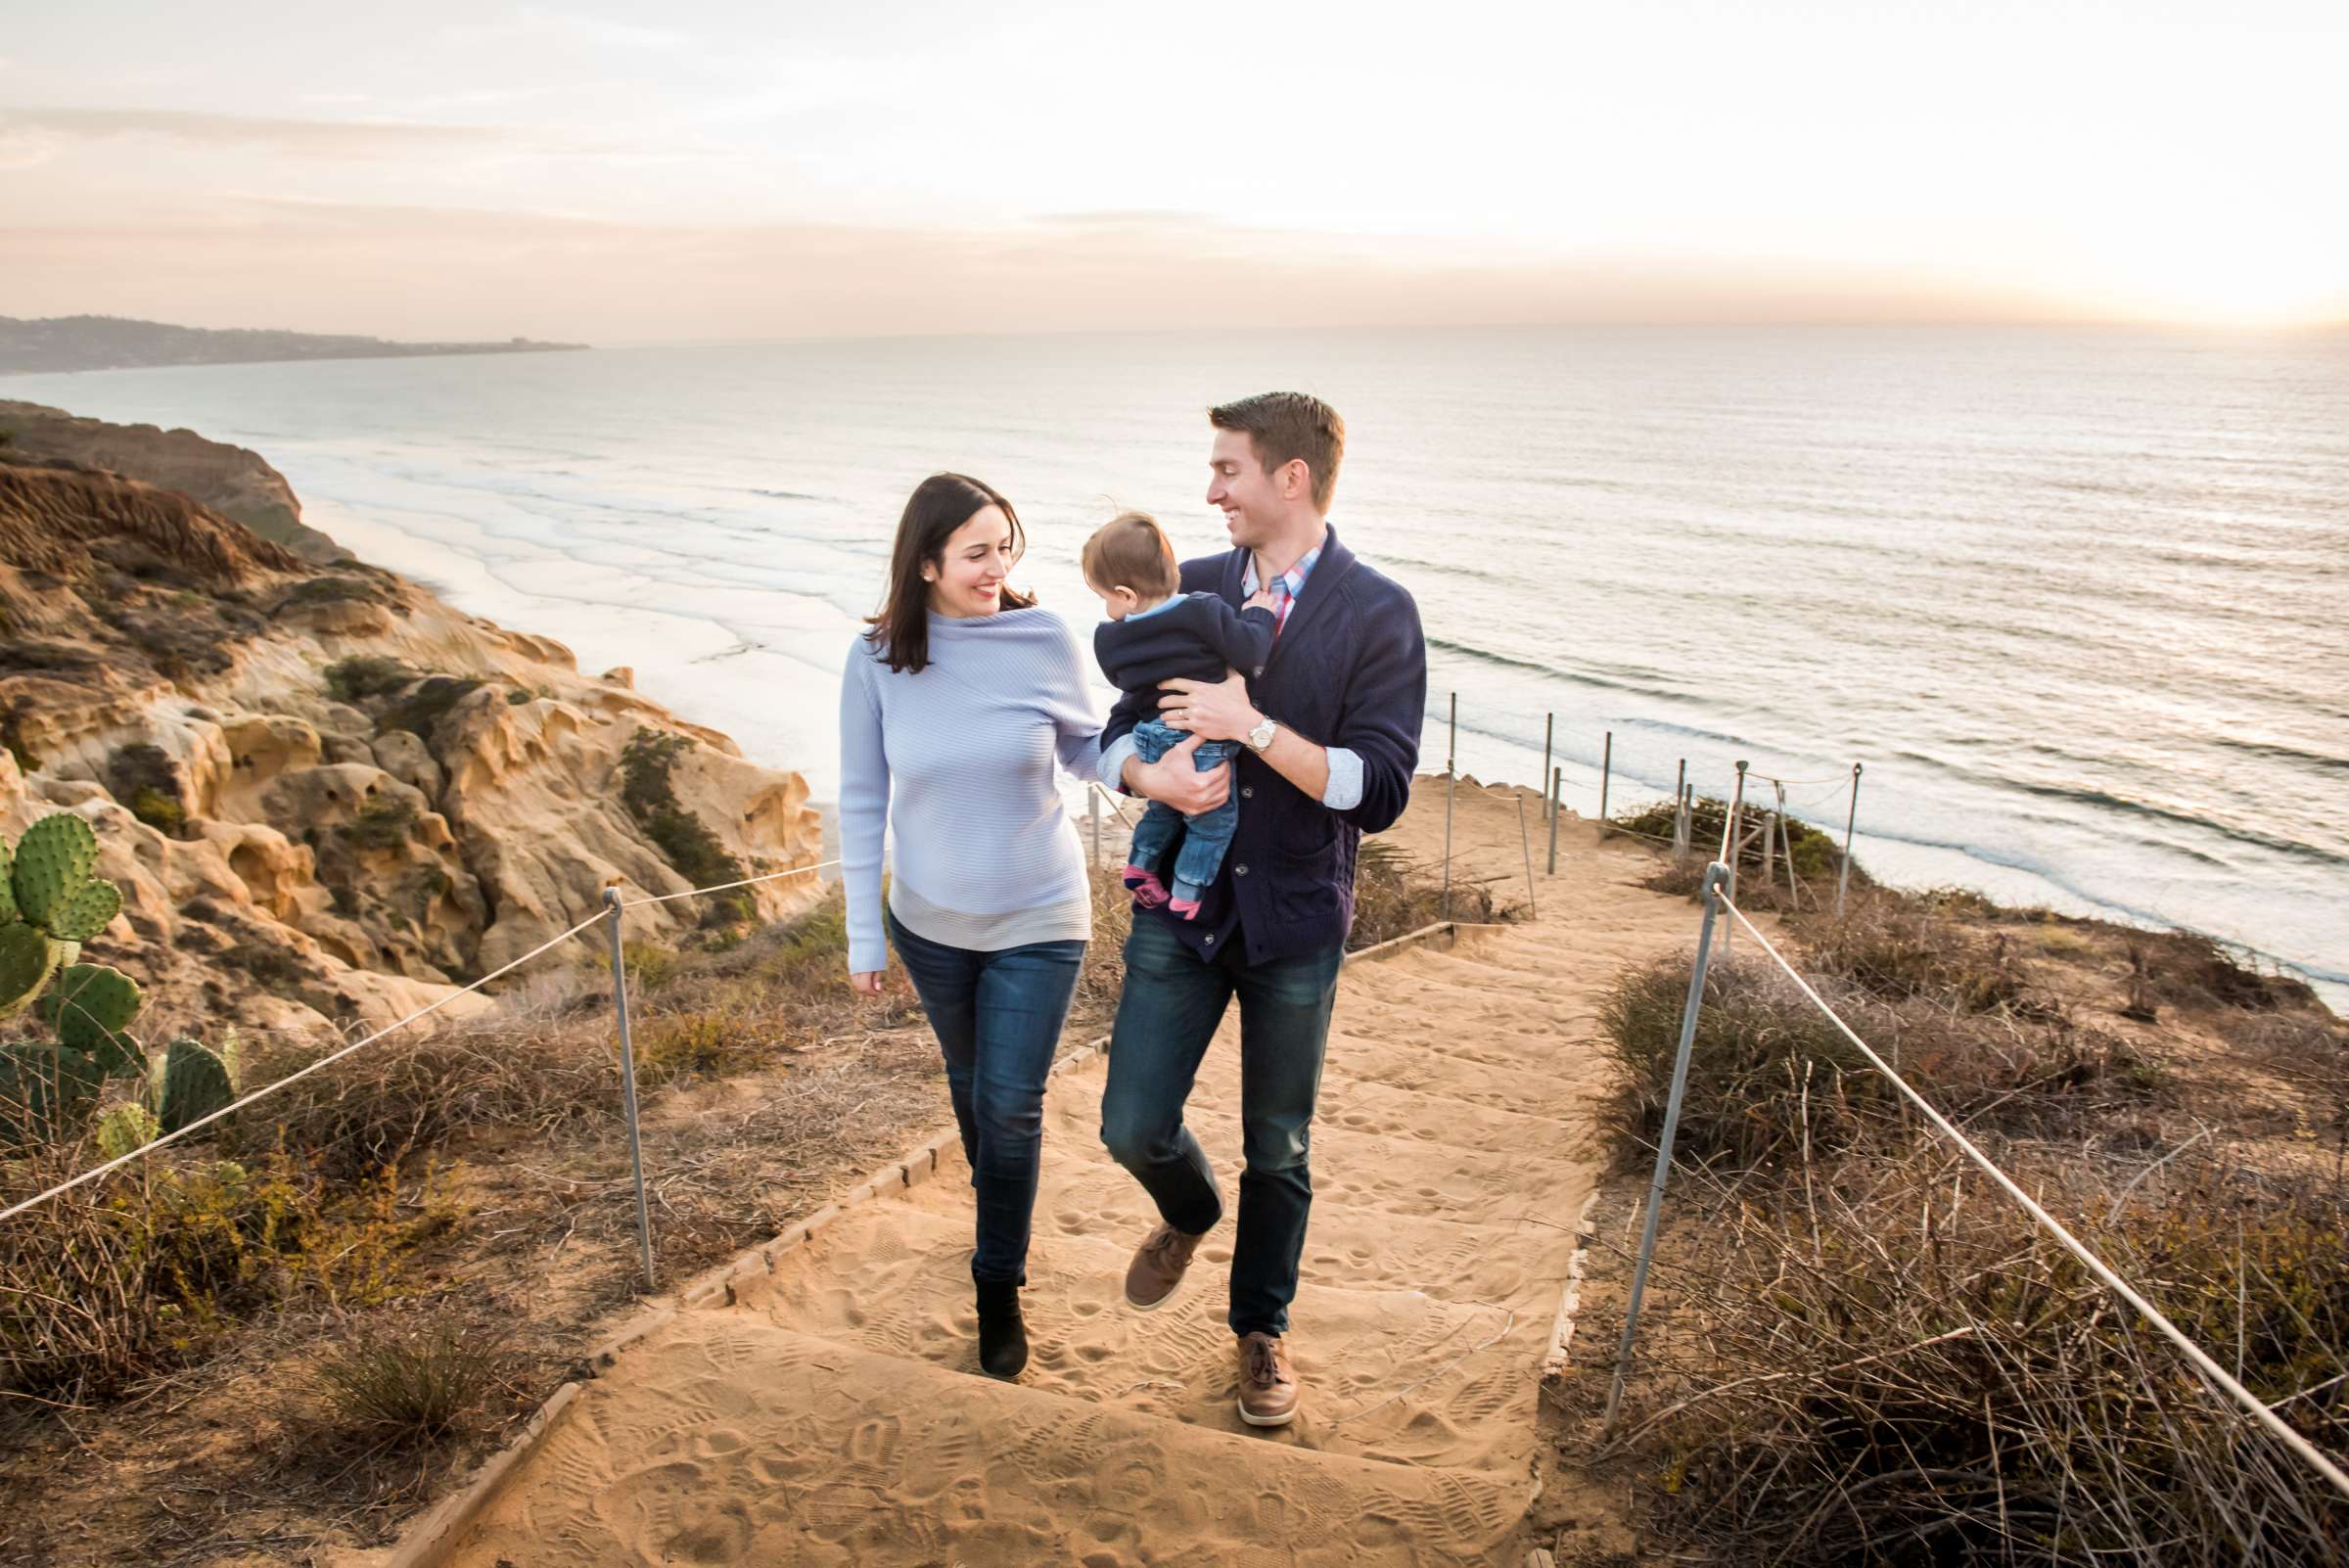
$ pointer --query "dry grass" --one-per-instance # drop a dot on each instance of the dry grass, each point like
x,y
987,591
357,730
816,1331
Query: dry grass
x,y
1769,1077
399,1387
1394,895
1889,1366
1865,1354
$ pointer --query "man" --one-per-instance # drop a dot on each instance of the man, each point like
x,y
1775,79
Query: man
x,y
1330,729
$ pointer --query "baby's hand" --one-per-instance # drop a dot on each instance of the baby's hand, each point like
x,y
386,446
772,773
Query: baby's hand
x,y
1261,601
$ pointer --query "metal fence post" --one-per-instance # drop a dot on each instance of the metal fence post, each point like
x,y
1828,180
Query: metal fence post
x,y
1549,726
1786,849
628,1089
1606,776
1451,746
1714,876
1679,814
1557,791
1093,804
1728,842
1843,873
1526,846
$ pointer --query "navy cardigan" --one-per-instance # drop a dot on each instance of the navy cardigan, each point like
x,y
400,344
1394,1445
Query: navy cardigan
x,y
1350,669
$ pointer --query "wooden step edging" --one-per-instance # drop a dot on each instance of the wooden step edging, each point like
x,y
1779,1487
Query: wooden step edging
x,y
1570,1301
743,1279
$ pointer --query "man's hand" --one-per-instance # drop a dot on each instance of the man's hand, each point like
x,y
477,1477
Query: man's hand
x,y
1175,780
1263,600
1217,710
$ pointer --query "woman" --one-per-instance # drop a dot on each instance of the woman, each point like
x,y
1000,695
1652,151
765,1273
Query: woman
x,y
953,712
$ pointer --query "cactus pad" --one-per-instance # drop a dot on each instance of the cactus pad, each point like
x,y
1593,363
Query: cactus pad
x,y
89,1009
8,890
195,1084
26,960
44,1091
126,1128
88,912
53,862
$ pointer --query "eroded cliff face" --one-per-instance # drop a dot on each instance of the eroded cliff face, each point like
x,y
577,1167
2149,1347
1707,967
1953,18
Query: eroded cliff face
x,y
328,796
235,482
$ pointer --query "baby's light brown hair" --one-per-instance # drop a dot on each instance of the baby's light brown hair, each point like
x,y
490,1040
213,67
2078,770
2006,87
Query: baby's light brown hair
x,y
1131,551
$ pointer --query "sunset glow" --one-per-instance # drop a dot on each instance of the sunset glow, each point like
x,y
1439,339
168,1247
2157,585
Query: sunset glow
x,y
748,171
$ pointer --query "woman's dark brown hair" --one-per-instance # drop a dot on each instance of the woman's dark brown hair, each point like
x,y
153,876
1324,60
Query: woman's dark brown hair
x,y
938,505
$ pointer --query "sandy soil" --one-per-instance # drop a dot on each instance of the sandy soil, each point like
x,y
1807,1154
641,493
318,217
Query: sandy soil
x,y
837,1418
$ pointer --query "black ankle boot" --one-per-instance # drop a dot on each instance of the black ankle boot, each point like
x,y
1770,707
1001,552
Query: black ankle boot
x,y
1002,1336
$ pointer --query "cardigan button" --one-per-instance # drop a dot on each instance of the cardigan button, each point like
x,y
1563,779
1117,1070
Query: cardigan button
x,y
1211,942
1259,670
1247,792
1239,870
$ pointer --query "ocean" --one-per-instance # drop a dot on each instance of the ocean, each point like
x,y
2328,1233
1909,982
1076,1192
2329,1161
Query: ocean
x,y
2074,598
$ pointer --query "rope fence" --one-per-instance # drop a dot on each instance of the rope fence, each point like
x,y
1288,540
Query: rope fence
x,y
1719,896
610,913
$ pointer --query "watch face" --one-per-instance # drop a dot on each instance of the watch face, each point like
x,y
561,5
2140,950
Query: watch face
x,y
1262,736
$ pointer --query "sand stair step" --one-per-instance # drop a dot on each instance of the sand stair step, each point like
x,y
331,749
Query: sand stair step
x,y
1364,1170
1367,1105
1391,1374
734,1441
1515,1263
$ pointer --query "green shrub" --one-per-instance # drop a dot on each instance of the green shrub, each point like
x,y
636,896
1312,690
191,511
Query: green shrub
x,y
385,822
683,839
422,707
143,778
365,675
160,811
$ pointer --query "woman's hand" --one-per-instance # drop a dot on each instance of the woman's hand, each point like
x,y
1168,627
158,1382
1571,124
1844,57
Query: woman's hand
x,y
867,985
1212,710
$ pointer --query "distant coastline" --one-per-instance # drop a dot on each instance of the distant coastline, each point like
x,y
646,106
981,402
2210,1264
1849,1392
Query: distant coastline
x,y
117,343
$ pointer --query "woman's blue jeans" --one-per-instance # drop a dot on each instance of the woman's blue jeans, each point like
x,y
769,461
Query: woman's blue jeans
x,y
997,1017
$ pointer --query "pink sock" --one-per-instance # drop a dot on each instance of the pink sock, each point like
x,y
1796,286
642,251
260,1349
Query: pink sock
x,y
1148,890
1187,908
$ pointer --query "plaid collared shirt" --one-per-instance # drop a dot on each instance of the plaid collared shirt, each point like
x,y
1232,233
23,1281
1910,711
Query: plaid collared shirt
x,y
1285,588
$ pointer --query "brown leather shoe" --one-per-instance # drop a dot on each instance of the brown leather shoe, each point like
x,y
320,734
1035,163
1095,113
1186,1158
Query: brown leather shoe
x,y
1267,1384
1158,1268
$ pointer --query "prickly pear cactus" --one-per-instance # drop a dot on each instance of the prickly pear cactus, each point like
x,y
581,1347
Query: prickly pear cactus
x,y
195,1084
90,1007
44,1091
53,863
88,912
8,888
27,958
126,1126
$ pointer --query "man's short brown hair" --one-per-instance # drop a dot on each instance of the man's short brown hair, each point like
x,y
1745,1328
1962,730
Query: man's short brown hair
x,y
1284,427
1131,551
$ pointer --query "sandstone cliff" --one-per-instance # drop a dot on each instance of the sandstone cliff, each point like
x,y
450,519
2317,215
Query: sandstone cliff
x,y
232,481
329,795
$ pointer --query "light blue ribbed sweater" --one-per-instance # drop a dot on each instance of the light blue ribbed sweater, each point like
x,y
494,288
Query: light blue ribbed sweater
x,y
957,766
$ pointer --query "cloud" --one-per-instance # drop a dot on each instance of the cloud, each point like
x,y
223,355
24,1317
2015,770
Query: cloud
x,y
24,146
437,273
318,138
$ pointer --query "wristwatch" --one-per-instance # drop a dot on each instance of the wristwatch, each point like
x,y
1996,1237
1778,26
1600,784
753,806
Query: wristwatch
x,y
1262,736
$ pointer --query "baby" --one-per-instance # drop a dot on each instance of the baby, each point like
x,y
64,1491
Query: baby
x,y
1155,634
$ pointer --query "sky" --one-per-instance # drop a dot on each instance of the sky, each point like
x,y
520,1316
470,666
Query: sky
x,y
703,171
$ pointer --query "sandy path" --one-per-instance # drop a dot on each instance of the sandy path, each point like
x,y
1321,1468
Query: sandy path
x,y
837,1418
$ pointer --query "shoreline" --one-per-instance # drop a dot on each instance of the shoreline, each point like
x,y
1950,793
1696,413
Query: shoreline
x,y
691,664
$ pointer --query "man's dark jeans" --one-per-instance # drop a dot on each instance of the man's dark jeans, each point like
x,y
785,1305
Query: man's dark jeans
x,y
1172,1003
997,1017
